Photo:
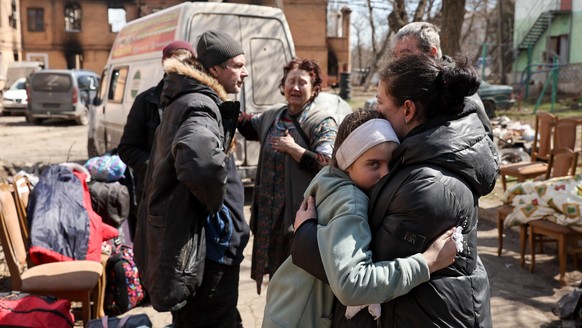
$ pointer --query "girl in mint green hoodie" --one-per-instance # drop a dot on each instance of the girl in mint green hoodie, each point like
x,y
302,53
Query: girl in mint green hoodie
x,y
362,151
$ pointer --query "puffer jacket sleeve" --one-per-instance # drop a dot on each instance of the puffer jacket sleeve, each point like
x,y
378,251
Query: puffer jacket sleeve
x,y
200,159
344,244
424,203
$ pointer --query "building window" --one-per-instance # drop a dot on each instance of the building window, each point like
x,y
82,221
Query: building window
x,y
35,19
13,15
72,17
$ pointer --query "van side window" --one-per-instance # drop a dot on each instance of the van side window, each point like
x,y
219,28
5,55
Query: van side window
x,y
117,84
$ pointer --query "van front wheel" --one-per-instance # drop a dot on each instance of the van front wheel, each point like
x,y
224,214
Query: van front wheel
x,y
83,119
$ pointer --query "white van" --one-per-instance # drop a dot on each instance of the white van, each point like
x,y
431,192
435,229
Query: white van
x,y
134,65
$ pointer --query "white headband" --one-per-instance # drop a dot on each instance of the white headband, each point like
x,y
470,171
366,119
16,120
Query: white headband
x,y
364,137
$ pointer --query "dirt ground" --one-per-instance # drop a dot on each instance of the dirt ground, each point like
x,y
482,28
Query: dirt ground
x,y
518,298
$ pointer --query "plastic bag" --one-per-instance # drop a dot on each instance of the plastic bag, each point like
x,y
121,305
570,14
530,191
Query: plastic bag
x,y
106,168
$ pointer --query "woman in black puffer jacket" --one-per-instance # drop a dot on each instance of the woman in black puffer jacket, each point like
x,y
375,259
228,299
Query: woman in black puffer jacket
x,y
444,163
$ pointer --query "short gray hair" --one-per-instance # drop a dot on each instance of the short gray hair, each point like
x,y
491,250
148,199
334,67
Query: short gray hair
x,y
427,35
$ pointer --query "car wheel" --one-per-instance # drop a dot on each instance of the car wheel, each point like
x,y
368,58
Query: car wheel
x,y
489,108
83,119
33,120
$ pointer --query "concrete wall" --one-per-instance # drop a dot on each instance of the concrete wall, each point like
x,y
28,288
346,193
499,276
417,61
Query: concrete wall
x,y
568,25
10,43
527,12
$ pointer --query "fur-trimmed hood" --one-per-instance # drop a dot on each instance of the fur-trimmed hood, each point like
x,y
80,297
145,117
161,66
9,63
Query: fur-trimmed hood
x,y
183,78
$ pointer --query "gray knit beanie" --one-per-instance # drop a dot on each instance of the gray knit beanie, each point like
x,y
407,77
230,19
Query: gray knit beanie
x,y
216,47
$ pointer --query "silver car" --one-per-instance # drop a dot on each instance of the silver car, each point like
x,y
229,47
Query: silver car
x,y
62,94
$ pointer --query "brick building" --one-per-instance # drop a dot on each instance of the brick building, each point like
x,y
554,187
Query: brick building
x,y
79,33
73,34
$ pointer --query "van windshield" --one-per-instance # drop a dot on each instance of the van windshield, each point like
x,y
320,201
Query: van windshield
x,y
51,82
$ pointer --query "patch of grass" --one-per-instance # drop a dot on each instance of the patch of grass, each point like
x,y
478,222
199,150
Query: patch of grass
x,y
524,112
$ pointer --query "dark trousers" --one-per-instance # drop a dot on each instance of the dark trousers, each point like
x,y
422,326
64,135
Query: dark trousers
x,y
214,304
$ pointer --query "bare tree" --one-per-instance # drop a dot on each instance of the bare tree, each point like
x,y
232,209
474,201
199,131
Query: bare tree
x,y
453,17
358,31
377,51
475,14
477,28
396,19
487,31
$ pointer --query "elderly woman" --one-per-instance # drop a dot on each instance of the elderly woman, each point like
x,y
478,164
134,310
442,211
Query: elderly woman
x,y
296,142
445,162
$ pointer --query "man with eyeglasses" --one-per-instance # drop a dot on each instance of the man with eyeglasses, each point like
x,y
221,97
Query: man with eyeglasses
x,y
191,229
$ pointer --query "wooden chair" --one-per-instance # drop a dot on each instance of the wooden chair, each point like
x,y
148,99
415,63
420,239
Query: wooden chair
x,y
562,162
541,148
22,188
564,235
565,133
72,280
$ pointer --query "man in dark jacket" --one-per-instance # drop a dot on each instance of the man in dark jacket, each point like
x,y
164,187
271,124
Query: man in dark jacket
x,y
191,229
424,38
138,134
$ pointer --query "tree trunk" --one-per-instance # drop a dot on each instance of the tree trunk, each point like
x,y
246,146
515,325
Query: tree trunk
x,y
453,17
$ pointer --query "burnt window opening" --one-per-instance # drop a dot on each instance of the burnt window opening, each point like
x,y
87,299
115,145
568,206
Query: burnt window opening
x,y
13,15
35,19
72,17
116,18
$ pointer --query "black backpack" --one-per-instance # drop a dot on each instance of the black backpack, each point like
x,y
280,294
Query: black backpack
x,y
123,290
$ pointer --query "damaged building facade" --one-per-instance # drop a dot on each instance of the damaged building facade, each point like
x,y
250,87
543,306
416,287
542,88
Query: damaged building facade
x,y
79,33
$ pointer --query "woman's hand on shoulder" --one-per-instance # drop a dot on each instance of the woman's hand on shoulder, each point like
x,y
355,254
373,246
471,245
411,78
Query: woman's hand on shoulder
x,y
305,212
441,253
